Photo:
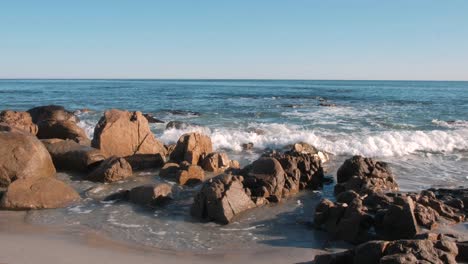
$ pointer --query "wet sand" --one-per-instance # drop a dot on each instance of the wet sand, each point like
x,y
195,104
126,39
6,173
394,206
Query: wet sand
x,y
21,242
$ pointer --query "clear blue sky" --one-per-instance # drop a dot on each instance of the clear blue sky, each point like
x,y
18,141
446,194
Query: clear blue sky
x,y
280,39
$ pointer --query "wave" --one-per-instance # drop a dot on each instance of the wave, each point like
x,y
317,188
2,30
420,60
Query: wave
x,y
373,144
451,123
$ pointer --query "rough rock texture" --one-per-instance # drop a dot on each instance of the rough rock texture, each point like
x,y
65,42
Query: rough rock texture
x,y
218,162
221,199
398,220
122,133
22,156
266,178
437,250
69,155
189,174
365,175
111,170
151,195
38,193
18,120
192,147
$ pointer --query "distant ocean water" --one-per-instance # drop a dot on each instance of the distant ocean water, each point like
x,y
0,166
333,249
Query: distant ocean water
x,y
419,127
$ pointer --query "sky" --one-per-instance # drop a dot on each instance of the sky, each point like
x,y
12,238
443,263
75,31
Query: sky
x,y
253,39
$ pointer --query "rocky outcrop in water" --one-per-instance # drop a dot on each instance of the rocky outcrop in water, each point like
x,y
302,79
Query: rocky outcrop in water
x,y
56,122
38,193
192,147
18,120
69,155
151,195
183,173
111,170
218,162
23,156
122,133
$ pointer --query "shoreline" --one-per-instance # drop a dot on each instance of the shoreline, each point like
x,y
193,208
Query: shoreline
x,y
22,242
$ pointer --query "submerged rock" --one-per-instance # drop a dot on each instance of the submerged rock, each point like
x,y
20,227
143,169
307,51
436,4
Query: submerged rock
x,y
192,147
18,120
151,195
177,125
23,156
152,119
122,133
111,170
221,199
40,193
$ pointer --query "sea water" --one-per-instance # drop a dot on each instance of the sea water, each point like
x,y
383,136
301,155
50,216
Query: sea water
x,y
419,127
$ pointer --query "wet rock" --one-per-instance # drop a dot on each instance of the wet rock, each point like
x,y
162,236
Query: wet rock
x,y
51,112
69,155
221,199
344,257
266,178
23,156
111,170
177,125
18,120
184,112
63,129
122,133
190,174
192,147
365,175
151,195
218,162
38,193
169,149
169,169
151,119
146,161
247,146
462,251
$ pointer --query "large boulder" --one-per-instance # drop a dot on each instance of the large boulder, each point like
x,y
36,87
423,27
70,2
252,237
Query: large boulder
x,y
55,121
151,195
221,198
398,221
365,175
38,193
111,170
192,147
18,120
23,156
69,155
122,133
265,178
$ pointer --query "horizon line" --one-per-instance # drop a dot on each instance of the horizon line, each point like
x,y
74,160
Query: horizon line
x,y
230,79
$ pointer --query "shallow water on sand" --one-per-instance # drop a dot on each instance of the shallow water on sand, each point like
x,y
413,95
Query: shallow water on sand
x,y
420,128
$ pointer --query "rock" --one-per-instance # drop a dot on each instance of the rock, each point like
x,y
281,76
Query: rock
x,y
169,169
327,104
398,259
18,120
428,199
462,251
221,199
426,216
422,250
38,193
23,156
399,221
63,129
51,112
266,178
247,146
176,125
145,161
169,149
122,133
369,252
192,147
69,155
190,174
152,119
151,195
344,257
111,170
218,162
365,175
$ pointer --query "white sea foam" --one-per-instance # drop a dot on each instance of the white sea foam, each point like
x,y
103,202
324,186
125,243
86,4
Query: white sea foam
x,y
451,124
376,144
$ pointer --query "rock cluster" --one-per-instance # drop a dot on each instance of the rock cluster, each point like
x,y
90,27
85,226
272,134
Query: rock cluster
x,y
21,121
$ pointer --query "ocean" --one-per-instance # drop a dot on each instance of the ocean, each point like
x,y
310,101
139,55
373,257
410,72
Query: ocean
x,y
419,127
